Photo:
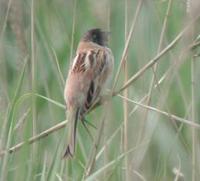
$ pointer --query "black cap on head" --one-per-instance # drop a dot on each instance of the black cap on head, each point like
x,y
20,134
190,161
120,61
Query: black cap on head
x,y
97,36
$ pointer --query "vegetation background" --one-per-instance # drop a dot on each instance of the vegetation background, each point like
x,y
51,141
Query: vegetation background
x,y
148,131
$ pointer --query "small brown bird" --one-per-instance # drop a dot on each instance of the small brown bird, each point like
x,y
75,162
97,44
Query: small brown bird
x,y
88,74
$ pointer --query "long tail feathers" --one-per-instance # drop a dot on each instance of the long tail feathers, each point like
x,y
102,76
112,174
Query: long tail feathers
x,y
72,116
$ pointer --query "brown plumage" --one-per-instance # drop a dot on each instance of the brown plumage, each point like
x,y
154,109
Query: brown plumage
x,y
91,68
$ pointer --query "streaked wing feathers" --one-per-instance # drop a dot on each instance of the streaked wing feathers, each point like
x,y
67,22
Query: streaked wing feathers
x,y
95,63
91,59
79,63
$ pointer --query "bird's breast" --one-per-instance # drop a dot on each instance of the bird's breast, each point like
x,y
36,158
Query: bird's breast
x,y
76,90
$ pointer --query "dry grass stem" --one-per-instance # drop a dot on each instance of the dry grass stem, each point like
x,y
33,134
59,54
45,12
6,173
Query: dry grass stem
x,y
193,109
156,58
154,80
124,54
73,30
58,67
63,124
91,160
6,19
151,63
36,138
170,116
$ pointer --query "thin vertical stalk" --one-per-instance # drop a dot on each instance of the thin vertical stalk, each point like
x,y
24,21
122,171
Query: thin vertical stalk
x,y
4,86
33,70
124,54
189,11
92,157
154,68
5,20
193,119
194,143
73,30
108,16
125,102
106,128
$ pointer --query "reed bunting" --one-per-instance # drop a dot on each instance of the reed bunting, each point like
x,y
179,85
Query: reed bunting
x,y
88,74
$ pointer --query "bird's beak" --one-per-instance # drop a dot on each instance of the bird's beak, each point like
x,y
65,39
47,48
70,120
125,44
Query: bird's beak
x,y
107,33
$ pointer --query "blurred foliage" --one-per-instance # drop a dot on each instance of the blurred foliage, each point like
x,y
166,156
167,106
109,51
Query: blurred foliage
x,y
160,144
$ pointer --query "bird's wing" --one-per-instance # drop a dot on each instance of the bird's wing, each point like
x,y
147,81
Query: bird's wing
x,y
79,65
97,63
94,66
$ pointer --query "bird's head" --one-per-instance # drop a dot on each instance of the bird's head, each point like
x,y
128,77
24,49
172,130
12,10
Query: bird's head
x,y
96,36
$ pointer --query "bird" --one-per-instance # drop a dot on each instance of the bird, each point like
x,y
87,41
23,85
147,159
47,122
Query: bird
x,y
89,74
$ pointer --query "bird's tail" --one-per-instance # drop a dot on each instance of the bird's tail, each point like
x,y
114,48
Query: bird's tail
x,y
72,117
